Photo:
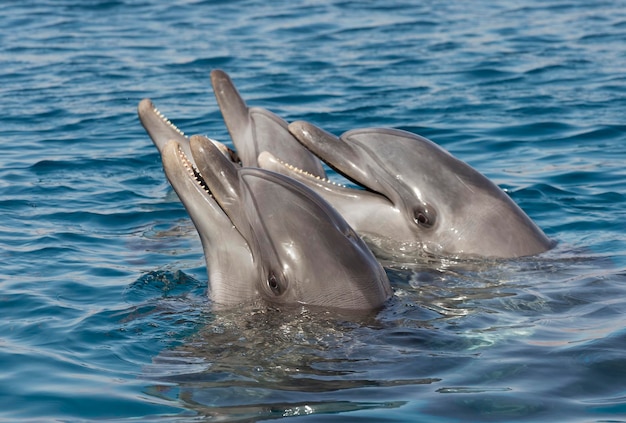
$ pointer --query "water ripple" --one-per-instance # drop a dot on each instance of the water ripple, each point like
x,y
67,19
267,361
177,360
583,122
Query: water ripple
x,y
104,308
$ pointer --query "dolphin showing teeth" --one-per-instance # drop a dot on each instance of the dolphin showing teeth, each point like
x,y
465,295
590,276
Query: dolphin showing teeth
x,y
267,238
254,129
418,197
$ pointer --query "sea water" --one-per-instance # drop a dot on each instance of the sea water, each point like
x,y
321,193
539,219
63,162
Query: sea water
x,y
103,307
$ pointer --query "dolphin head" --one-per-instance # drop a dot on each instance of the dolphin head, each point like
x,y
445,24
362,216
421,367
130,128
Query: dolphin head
x,y
266,237
417,198
254,129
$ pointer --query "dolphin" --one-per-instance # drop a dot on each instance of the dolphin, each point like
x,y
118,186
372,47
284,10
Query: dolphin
x,y
418,198
267,238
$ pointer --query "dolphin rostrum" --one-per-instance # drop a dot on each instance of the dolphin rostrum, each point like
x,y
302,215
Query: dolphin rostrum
x,y
418,198
161,130
254,129
269,238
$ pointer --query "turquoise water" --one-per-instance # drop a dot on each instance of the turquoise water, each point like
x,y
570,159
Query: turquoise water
x,y
103,310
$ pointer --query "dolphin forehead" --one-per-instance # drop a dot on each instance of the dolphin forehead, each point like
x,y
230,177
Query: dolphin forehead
x,y
409,158
288,220
275,195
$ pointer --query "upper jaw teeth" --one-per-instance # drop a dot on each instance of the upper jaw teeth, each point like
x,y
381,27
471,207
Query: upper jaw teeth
x,y
308,174
167,121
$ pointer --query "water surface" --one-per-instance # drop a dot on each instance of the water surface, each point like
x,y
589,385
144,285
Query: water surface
x,y
103,287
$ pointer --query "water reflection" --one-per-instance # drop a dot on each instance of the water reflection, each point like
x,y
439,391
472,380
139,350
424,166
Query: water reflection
x,y
439,334
268,363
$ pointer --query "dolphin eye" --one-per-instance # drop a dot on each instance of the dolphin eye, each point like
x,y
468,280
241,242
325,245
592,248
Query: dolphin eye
x,y
421,218
273,284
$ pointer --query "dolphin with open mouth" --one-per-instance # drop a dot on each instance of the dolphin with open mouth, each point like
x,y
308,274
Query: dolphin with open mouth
x,y
267,238
418,198
254,129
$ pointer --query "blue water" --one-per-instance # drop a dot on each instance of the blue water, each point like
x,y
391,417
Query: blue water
x,y
103,309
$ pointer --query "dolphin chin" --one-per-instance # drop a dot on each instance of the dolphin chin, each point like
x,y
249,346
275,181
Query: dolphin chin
x,y
418,198
267,238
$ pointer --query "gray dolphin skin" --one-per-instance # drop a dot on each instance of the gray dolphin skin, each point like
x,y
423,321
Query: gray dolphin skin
x,y
418,198
254,129
267,237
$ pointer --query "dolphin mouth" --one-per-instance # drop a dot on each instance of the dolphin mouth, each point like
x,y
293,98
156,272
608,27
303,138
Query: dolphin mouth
x,y
267,161
206,187
157,125
270,162
194,173
166,121
196,176
161,130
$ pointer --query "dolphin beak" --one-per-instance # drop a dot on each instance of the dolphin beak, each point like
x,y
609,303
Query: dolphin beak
x,y
337,154
159,128
254,129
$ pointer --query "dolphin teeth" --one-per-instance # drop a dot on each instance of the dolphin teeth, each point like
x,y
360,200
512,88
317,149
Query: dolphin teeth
x,y
309,175
193,171
167,121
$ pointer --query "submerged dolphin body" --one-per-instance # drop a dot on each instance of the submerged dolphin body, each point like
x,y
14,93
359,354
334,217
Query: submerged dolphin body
x,y
418,197
268,238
